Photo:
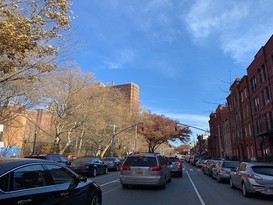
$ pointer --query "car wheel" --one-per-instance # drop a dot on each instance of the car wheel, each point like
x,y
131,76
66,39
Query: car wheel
x,y
94,172
180,174
95,200
218,178
244,190
231,183
106,170
125,186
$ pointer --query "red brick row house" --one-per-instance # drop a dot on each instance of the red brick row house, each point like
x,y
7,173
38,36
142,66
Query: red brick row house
x,y
243,128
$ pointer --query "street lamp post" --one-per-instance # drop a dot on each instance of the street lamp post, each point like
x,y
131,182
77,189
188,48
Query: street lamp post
x,y
34,141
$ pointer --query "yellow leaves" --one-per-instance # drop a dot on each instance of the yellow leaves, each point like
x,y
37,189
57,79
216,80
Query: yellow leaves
x,y
26,27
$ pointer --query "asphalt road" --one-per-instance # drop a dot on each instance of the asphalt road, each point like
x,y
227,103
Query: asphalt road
x,y
194,188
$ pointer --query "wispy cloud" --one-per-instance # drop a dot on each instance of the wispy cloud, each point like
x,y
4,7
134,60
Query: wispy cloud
x,y
119,60
236,25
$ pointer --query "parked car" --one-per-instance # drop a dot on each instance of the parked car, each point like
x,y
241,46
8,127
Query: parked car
x,y
195,158
200,163
176,166
221,171
145,169
253,178
208,166
90,166
113,163
35,181
54,157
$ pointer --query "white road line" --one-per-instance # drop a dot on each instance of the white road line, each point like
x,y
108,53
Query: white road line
x,y
195,189
117,180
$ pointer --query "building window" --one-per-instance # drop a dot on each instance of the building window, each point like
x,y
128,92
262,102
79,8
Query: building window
x,y
263,73
265,94
256,104
253,84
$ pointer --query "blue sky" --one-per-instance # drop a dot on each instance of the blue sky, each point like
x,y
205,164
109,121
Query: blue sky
x,y
183,54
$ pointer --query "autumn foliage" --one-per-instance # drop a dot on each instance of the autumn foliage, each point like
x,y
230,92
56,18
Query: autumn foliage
x,y
159,129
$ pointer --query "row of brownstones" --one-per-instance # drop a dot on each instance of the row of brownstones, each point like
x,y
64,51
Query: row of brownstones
x,y
242,129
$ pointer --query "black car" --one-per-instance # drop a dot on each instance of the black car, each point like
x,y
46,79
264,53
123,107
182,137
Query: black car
x,y
34,181
113,163
176,166
90,166
54,157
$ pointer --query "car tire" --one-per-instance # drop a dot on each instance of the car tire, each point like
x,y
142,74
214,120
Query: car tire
x,y
124,186
231,183
94,172
218,179
95,199
106,170
244,190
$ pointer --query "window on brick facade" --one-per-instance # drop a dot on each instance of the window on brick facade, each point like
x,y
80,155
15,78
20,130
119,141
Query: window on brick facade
x,y
265,94
256,104
263,73
253,84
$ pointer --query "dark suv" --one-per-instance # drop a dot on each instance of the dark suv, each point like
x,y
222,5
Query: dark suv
x,y
176,166
53,157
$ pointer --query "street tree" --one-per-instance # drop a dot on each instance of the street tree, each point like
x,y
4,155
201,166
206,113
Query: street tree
x,y
30,43
159,129
61,93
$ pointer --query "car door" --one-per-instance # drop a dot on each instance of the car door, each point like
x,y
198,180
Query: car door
x,y
69,190
28,185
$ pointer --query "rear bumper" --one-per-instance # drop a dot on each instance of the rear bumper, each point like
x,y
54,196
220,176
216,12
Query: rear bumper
x,y
142,181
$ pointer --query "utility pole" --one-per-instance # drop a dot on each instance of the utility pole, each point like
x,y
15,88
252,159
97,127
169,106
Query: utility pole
x,y
34,141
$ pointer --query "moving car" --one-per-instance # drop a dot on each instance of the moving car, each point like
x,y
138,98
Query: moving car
x,y
90,166
252,178
35,181
113,163
54,157
145,169
176,166
221,171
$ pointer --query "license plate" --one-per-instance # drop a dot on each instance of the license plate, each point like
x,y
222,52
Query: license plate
x,y
139,173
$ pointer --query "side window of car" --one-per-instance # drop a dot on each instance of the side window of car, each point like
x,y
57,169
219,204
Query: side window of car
x,y
5,182
60,175
32,176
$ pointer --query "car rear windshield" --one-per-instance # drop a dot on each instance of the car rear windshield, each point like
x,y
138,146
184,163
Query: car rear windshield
x,y
140,161
174,160
266,170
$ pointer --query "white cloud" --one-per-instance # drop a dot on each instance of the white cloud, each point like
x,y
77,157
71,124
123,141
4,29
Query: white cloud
x,y
122,58
241,27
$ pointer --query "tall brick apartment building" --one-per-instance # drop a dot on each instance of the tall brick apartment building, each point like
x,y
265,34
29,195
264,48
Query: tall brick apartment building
x,y
249,123
131,90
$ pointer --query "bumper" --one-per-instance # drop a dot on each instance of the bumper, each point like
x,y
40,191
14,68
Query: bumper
x,y
142,181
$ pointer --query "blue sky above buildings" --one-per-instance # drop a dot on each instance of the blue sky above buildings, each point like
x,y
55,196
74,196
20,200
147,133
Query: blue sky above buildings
x,y
183,54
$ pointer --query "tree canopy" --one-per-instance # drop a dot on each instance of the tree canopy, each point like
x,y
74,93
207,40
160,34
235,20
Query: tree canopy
x,y
159,129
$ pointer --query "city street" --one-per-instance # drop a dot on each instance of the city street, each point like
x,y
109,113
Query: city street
x,y
194,188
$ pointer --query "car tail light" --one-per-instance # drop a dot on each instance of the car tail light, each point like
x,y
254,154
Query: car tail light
x,y
155,168
178,163
125,168
222,170
252,176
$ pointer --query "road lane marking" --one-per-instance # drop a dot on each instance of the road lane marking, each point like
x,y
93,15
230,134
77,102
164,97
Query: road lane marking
x,y
111,182
195,189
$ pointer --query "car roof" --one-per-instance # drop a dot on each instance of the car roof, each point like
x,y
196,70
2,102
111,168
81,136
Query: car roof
x,y
7,164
